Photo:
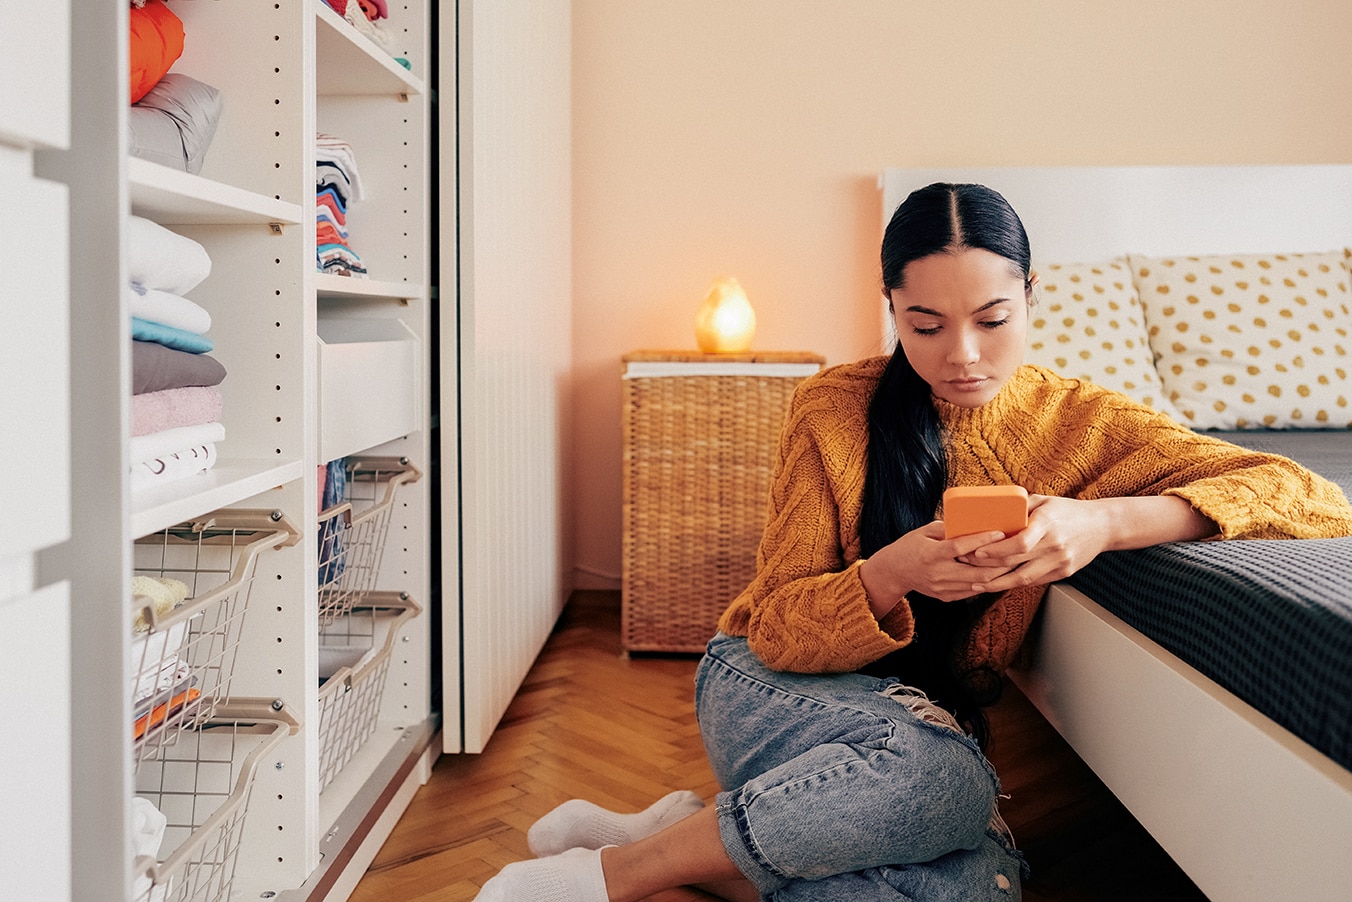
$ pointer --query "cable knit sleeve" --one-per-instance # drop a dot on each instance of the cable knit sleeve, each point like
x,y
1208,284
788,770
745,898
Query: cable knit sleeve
x,y
807,610
1103,445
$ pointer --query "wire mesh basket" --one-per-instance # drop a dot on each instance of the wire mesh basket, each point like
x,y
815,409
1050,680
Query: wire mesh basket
x,y
352,533
354,660
193,802
183,657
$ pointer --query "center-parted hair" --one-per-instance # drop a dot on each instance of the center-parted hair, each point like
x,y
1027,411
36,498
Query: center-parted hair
x,y
907,464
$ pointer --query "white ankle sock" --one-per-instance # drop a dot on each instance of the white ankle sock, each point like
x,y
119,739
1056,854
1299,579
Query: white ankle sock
x,y
574,876
579,824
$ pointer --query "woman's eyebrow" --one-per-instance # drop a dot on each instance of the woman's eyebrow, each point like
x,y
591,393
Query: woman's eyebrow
x,y
916,308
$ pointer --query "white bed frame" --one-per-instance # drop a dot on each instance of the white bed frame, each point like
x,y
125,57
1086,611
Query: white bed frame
x,y
1246,808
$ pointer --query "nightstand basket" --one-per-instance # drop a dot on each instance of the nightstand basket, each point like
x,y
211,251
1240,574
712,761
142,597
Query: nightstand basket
x,y
700,435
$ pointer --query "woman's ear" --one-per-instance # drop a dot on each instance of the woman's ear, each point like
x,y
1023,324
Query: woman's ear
x,y
887,298
1030,284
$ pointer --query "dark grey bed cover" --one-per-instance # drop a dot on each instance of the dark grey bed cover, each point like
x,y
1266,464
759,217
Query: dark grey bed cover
x,y
1271,621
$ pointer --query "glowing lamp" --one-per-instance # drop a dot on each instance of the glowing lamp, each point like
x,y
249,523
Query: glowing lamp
x,y
725,321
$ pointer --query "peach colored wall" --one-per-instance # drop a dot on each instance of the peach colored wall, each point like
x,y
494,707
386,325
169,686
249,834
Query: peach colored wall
x,y
745,137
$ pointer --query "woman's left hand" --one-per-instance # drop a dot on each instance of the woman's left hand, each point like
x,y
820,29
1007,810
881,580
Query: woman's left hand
x,y
1062,536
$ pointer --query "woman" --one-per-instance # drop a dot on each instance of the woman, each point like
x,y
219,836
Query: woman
x,y
840,703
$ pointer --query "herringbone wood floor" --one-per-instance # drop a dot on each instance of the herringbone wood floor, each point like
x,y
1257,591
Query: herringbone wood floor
x,y
590,723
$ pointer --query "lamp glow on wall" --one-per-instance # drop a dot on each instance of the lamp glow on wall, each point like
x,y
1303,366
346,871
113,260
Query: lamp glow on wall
x,y
725,322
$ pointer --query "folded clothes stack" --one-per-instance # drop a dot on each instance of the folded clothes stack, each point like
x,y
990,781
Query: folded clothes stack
x,y
176,405
337,185
162,681
173,117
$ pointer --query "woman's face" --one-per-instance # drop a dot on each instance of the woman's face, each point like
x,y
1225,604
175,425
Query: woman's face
x,y
961,318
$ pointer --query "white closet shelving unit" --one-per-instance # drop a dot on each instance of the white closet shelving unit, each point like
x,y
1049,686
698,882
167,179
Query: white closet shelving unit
x,y
35,615
319,367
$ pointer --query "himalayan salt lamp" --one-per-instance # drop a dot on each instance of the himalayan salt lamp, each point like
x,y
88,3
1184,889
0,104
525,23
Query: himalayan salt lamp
x,y
725,321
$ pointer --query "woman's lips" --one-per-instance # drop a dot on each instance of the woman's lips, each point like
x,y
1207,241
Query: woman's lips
x,y
968,385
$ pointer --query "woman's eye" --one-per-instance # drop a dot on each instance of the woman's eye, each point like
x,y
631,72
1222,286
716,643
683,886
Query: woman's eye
x,y
925,330
995,323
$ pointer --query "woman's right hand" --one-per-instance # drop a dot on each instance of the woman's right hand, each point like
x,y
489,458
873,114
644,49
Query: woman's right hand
x,y
924,561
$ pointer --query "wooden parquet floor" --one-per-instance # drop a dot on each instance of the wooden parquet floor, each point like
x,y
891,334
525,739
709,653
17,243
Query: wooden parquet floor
x,y
590,723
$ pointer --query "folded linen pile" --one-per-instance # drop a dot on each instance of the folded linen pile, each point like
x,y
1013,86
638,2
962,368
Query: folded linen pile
x,y
162,681
173,116
363,15
337,184
176,405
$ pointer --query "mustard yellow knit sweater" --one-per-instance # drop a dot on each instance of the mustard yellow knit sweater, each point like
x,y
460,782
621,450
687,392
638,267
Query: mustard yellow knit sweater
x,y
807,611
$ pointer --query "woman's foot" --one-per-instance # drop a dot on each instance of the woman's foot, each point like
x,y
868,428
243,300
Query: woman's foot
x,y
574,876
579,824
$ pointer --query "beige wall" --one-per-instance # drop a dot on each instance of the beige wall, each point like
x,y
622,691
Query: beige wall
x,y
745,137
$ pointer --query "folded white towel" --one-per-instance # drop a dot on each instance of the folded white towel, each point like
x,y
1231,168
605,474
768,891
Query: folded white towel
x,y
155,661
160,258
168,309
172,467
158,444
172,672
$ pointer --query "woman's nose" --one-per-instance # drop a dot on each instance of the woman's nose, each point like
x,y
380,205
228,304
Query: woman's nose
x,y
964,349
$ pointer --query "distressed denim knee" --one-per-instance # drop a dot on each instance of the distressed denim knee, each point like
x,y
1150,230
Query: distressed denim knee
x,y
825,774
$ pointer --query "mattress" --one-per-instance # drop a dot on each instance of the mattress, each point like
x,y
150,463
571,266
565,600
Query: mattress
x,y
1271,621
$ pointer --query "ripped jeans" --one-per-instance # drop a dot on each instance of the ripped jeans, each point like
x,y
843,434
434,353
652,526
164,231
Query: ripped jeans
x,y
848,788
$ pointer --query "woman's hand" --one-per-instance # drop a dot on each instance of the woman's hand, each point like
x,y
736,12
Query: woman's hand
x,y
1064,534
924,561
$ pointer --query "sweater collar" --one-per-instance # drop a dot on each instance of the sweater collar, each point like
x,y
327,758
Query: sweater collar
x,y
1008,401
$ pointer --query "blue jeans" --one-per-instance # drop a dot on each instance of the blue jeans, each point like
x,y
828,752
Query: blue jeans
x,y
836,792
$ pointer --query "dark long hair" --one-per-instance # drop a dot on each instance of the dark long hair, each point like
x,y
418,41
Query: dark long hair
x,y
907,462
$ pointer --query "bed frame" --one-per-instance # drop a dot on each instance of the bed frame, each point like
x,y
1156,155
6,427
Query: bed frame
x,y
1247,809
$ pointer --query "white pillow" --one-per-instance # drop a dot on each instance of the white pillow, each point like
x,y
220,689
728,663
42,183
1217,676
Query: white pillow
x,y
1088,324
1251,341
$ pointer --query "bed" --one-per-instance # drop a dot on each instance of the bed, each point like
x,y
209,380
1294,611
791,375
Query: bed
x,y
1238,764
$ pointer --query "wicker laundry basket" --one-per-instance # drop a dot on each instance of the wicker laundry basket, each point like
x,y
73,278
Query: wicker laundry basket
x,y
700,435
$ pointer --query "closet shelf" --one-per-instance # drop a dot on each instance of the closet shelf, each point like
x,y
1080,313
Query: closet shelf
x,y
348,62
232,480
332,287
171,197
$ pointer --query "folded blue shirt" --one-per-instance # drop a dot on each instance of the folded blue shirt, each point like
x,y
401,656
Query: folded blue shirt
x,y
178,339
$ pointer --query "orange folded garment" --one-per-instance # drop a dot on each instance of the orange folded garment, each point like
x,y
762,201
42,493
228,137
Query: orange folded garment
x,y
159,712
156,44
980,508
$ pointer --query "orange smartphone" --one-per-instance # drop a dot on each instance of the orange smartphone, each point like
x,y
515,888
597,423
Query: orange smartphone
x,y
981,508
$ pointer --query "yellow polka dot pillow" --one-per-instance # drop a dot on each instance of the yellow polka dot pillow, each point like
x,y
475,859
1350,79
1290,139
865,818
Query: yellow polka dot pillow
x,y
1088,324
1248,342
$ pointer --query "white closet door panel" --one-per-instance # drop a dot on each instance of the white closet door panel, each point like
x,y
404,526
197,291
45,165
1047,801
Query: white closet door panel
x,y
514,357
34,358
35,685
35,72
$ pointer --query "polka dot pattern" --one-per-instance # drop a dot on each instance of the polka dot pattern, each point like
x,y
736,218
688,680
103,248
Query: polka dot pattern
x,y
1251,342
1088,324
